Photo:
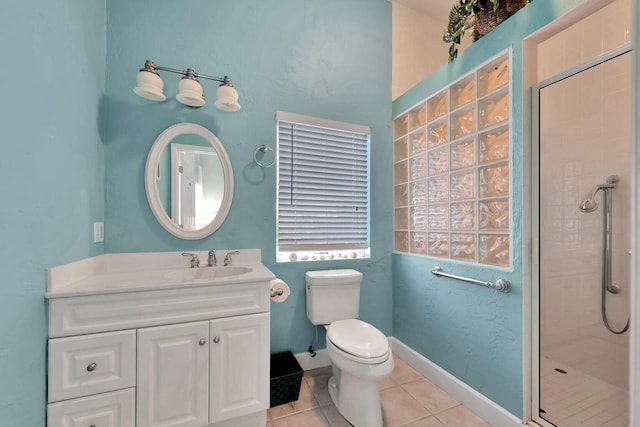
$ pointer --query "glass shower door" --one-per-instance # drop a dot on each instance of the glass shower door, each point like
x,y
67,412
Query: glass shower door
x,y
584,223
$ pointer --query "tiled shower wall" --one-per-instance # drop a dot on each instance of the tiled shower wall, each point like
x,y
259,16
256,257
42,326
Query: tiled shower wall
x,y
452,170
601,32
585,138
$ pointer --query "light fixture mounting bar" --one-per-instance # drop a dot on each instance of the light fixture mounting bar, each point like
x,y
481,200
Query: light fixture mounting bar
x,y
190,73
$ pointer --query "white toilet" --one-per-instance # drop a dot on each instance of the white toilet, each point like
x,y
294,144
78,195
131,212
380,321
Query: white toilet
x,y
360,354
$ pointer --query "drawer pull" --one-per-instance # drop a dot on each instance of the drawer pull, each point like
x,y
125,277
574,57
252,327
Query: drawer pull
x,y
202,341
216,340
92,367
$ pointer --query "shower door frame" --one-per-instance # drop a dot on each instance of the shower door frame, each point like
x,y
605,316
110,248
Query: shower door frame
x,y
535,227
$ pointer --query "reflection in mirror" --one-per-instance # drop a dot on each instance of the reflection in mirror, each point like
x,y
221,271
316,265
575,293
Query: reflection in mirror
x,y
192,188
189,181
197,186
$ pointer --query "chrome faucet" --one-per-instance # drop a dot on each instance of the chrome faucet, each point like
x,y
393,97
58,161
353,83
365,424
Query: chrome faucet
x,y
195,261
227,259
212,261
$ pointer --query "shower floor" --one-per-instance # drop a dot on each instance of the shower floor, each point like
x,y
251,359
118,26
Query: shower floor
x,y
577,399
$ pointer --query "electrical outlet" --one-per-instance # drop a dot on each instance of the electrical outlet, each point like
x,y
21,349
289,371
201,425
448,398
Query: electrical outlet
x,y
98,232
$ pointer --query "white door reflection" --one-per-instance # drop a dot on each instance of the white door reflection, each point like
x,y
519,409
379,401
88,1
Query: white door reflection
x,y
194,169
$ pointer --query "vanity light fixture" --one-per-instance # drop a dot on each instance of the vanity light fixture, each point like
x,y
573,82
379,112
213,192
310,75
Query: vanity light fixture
x,y
189,89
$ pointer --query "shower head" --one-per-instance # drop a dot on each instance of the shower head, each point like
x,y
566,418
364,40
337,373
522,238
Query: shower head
x,y
588,204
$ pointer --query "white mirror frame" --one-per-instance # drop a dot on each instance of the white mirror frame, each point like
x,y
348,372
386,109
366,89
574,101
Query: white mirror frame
x,y
151,188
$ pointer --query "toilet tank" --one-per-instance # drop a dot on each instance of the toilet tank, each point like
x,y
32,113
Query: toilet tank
x,y
333,295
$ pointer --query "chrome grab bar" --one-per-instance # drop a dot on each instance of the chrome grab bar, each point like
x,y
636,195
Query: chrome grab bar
x,y
501,285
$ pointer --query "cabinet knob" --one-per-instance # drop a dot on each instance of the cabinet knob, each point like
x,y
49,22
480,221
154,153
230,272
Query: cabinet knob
x,y
216,340
202,341
92,367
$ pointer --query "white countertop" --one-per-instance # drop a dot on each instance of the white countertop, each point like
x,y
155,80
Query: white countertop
x,y
136,272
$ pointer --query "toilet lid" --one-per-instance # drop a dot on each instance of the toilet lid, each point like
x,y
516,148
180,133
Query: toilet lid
x,y
358,338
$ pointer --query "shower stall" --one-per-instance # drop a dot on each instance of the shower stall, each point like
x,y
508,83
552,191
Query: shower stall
x,y
584,173
580,70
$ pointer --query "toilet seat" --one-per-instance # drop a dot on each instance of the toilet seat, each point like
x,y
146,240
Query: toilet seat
x,y
359,341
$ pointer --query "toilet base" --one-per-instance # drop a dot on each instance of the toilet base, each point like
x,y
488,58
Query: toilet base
x,y
358,401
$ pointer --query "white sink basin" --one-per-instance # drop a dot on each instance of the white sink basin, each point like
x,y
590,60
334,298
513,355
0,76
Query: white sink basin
x,y
206,274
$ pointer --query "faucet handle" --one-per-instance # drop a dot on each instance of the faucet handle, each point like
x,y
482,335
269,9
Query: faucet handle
x,y
227,258
212,261
195,261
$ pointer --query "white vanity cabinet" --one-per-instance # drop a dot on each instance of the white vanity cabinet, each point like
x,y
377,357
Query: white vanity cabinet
x,y
190,355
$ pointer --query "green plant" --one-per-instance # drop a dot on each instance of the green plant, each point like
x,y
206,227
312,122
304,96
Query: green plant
x,y
463,16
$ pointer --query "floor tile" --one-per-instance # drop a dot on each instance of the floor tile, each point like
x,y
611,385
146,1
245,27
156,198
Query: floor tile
x,y
425,422
310,418
319,386
407,399
334,416
460,416
399,407
430,395
403,373
305,401
573,398
387,383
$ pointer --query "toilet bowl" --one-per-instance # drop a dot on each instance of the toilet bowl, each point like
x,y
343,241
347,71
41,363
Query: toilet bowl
x,y
360,358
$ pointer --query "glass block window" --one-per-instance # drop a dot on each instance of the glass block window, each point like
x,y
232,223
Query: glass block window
x,y
452,170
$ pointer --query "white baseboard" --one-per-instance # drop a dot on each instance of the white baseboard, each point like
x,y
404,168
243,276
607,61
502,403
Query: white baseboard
x,y
320,360
479,404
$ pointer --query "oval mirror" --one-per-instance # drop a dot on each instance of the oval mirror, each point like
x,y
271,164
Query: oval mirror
x,y
189,181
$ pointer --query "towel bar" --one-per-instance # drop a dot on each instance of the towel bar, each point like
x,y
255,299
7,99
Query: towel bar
x,y
502,285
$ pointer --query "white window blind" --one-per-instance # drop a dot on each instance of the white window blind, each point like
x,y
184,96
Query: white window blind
x,y
323,185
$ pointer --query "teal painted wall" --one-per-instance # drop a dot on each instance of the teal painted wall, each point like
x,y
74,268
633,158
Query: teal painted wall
x,y
330,59
472,332
51,176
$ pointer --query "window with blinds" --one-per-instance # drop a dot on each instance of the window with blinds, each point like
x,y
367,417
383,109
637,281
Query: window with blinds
x,y
323,189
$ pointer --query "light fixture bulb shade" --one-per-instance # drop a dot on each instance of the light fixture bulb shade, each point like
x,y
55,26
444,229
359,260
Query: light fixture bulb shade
x,y
227,98
190,93
149,86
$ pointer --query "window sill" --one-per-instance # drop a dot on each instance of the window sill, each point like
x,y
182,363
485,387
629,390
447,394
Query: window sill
x,y
302,256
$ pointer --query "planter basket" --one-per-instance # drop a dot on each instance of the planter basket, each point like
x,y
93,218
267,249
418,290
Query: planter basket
x,y
488,19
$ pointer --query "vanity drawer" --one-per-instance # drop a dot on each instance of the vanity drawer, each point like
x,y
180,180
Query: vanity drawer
x,y
90,364
127,310
114,409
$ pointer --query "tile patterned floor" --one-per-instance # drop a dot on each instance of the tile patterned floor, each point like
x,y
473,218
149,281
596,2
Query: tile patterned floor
x,y
408,400
574,399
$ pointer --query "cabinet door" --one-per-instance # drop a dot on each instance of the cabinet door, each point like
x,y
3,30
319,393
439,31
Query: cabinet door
x,y
173,375
239,366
